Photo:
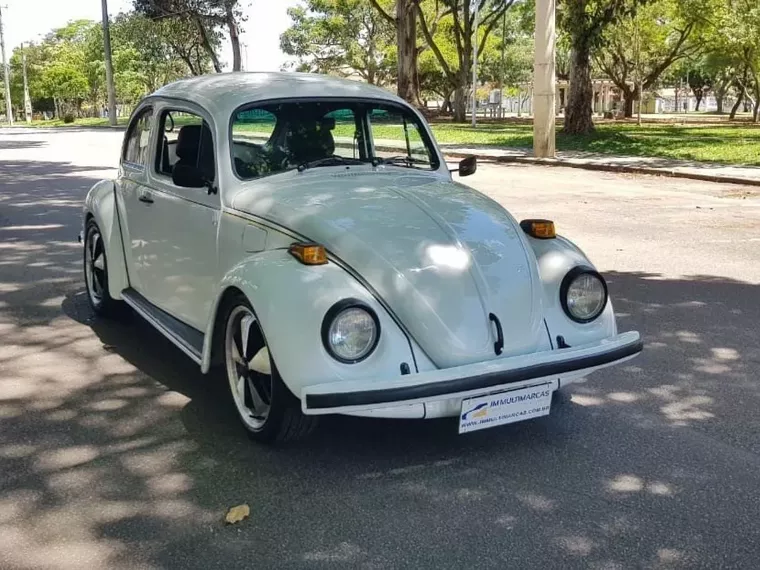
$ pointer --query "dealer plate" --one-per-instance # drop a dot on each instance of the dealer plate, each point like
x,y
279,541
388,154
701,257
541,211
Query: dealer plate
x,y
505,408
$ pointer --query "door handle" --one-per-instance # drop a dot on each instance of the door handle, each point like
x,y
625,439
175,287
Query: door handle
x,y
145,198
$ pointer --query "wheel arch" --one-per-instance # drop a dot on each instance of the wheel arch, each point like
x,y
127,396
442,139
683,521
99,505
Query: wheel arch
x,y
101,205
290,301
555,258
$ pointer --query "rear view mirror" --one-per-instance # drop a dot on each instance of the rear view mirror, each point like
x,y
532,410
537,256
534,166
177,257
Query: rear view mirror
x,y
467,166
187,176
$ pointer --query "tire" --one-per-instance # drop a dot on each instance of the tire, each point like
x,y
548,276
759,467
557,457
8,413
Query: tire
x,y
96,274
265,406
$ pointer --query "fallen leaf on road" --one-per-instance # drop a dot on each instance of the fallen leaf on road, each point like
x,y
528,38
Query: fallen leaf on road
x,y
237,514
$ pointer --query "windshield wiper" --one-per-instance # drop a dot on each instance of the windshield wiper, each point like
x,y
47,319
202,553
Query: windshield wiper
x,y
406,160
327,161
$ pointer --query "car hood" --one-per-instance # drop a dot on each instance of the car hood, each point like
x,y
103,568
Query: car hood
x,y
441,255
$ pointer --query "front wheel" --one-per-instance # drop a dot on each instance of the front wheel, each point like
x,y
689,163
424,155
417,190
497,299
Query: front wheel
x,y
96,273
265,406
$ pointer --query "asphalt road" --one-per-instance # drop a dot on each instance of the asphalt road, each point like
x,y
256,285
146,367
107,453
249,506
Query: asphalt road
x,y
115,452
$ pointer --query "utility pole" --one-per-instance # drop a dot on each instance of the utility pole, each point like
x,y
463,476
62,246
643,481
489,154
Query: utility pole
x,y
475,68
6,75
27,99
544,80
501,74
638,65
109,66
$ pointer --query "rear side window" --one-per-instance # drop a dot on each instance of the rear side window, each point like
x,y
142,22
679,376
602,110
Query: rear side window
x,y
184,138
136,150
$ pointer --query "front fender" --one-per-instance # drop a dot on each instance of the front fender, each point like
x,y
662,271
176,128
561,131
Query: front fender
x,y
290,300
555,258
100,204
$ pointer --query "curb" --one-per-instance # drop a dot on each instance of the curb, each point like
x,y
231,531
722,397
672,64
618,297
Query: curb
x,y
619,168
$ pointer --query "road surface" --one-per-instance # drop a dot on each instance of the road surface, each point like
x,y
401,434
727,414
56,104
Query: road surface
x,y
115,452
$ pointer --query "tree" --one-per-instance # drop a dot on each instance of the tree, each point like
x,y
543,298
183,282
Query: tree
x,y
585,22
67,71
638,48
407,52
448,24
737,34
207,16
510,57
341,36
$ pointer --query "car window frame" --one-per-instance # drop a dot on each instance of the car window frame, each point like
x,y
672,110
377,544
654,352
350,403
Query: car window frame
x,y
161,181
437,160
134,119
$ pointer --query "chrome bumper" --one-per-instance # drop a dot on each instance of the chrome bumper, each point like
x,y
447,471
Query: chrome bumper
x,y
470,380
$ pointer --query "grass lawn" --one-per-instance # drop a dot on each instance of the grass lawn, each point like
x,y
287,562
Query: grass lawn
x,y
724,143
85,122
739,144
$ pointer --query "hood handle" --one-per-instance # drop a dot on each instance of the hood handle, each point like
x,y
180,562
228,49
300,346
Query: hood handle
x,y
498,346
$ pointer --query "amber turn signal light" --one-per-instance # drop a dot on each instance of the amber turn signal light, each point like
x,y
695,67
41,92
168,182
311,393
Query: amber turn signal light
x,y
540,229
309,253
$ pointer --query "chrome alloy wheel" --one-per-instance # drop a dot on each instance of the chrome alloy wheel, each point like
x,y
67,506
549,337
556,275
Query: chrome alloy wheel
x,y
95,266
249,369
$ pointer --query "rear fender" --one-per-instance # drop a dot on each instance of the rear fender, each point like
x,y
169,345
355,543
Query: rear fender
x,y
101,205
290,300
555,258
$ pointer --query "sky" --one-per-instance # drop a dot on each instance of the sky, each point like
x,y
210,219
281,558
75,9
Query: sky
x,y
28,20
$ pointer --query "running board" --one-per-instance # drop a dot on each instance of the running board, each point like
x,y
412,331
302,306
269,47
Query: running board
x,y
188,339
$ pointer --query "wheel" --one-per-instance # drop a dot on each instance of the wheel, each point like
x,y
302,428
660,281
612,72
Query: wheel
x,y
96,273
266,407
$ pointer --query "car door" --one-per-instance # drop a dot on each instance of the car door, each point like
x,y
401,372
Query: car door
x,y
179,250
135,214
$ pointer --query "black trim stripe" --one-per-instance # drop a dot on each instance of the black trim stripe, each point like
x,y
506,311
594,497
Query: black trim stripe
x,y
488,380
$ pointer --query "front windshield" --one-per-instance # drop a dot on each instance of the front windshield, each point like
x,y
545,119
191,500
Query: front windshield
x,y
277,137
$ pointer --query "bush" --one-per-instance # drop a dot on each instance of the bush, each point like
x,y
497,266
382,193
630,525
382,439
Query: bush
x,y
68,118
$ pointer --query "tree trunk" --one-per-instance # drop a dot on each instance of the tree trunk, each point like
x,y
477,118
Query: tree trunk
x,y
446,107
234,37
699,100
209,49
406,35
629,99
578,119
460,104
719,102
739,99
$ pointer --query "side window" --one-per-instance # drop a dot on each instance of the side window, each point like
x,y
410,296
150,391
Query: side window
x,y
254,151
392,125
138,138
184,138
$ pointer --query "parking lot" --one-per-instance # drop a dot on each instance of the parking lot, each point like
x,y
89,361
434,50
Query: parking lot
x,y
115,452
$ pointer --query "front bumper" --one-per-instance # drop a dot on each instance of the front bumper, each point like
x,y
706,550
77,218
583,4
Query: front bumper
x,y
565,365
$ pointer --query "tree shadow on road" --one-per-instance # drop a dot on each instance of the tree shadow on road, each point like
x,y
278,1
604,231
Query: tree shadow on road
x,y
115,451
123,437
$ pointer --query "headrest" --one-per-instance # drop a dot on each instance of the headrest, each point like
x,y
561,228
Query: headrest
x,y
189,140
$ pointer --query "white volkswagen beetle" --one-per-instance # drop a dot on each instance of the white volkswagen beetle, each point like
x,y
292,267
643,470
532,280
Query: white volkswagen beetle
x,y
304,233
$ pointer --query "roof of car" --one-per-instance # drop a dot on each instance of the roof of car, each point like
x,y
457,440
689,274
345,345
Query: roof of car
x,y
225,92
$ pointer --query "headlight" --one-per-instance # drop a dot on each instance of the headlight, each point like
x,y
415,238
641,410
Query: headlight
x,y
583,294
350,331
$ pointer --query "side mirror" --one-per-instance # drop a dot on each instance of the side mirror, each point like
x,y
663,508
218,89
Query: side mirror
x,y
467,166
187,176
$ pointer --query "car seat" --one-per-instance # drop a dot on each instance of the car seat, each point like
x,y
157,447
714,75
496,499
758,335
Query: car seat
x,y
195,147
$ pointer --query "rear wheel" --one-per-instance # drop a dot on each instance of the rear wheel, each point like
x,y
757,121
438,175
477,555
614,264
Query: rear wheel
x,y
264,404
96,273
